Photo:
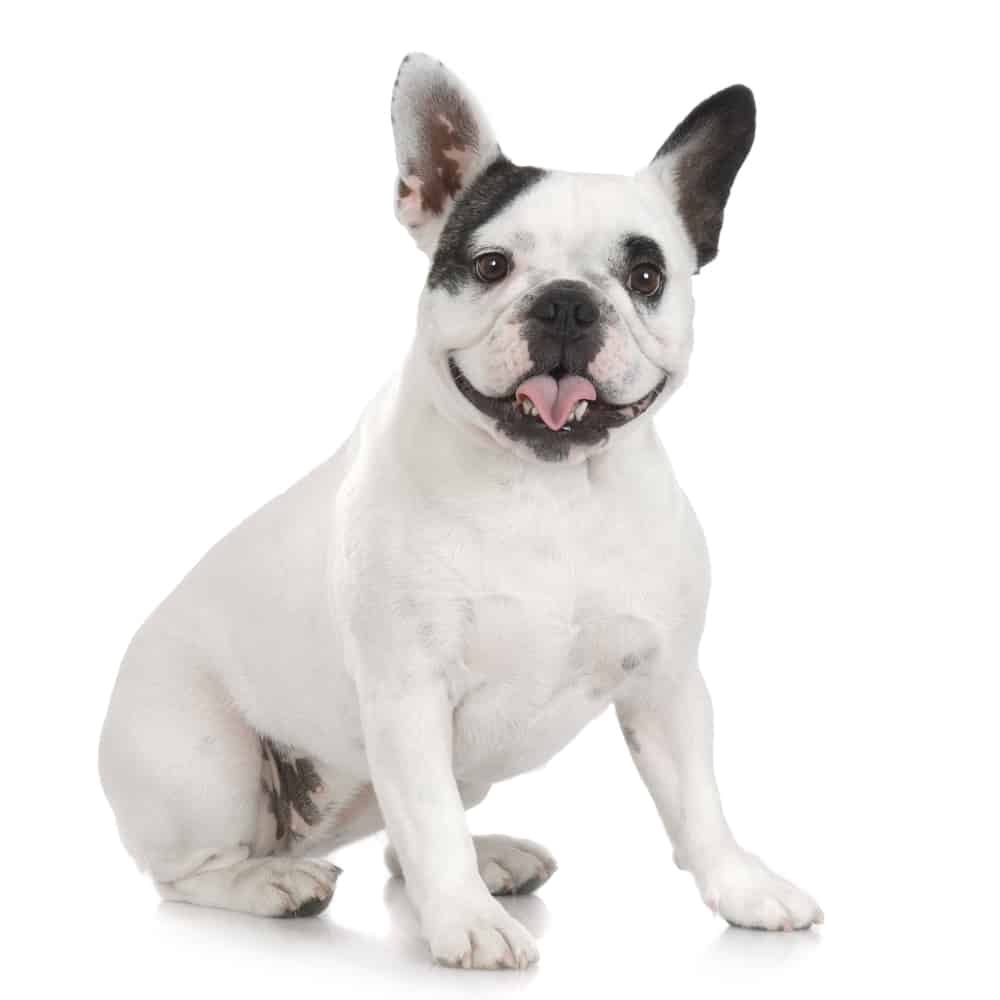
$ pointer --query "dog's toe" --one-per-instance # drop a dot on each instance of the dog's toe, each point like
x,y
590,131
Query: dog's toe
x,y
748,894
513,867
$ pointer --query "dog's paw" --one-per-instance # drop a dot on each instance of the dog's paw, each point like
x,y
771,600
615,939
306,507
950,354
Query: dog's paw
x,y
479,937
748,894
509,867
512,867
289,887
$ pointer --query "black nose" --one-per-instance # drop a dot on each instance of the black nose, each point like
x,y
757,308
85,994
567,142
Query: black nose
x,y
566,306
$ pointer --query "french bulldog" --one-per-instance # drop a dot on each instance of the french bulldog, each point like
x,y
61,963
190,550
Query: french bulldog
x,y
497,554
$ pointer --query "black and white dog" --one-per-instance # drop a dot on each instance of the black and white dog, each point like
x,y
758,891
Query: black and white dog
x,y
498,553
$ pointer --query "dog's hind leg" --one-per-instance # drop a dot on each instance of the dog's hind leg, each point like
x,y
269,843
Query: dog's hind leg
x,y
183,773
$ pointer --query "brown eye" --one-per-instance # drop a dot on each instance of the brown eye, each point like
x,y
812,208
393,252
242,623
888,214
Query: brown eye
x,y
645,279
492,267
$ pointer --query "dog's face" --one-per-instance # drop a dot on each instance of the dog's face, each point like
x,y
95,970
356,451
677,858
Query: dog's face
x,y
558,308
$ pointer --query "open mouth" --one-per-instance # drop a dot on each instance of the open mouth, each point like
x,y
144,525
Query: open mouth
x,y
552,410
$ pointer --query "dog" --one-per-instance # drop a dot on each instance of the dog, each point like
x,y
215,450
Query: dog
x,y
498,553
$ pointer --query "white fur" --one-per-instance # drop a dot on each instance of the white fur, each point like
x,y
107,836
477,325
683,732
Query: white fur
x,y
434,610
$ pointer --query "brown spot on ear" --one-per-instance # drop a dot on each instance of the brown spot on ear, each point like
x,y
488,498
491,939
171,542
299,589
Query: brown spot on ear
x,y
446,178
449,140
403,191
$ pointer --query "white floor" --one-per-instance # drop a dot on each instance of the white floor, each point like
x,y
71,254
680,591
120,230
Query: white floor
x,y
617,916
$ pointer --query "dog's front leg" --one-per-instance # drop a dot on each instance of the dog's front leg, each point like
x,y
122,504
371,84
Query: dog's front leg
x,y
667,724
408,737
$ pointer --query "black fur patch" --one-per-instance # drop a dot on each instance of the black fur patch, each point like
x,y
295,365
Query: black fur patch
x,y
710,146
637,249
290,783
492,191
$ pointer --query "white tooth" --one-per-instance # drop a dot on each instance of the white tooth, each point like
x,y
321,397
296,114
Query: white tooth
x,y
534,410
526,405
581,409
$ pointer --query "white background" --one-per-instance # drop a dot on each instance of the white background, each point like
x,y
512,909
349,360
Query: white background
x,y
201,281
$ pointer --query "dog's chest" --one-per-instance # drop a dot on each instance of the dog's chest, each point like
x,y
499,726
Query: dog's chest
x,y
560,612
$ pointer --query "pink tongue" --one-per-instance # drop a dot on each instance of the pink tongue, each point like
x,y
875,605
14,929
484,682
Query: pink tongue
x,y
555,400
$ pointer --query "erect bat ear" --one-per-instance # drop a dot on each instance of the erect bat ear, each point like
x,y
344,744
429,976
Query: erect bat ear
x,y
698,163
443,142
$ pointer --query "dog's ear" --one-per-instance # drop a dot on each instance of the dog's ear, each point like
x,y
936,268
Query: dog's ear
x,y
443,142
698,163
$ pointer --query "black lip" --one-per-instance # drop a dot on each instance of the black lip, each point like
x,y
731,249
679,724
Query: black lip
x,y
510,419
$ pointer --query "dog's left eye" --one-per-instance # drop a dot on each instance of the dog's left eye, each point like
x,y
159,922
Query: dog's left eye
x,y
645,279
492,267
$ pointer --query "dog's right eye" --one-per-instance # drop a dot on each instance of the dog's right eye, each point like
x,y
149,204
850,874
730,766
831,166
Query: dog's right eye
x,y
492,267
645,279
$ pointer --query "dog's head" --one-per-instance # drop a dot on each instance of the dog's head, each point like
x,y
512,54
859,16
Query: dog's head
x,y
558,308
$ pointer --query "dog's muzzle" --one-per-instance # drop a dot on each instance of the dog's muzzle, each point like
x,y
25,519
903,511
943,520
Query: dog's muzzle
x,y
556,404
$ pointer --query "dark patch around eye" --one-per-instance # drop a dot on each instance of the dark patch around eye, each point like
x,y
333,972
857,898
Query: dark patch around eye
x,y
495,188
643,248
636,249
